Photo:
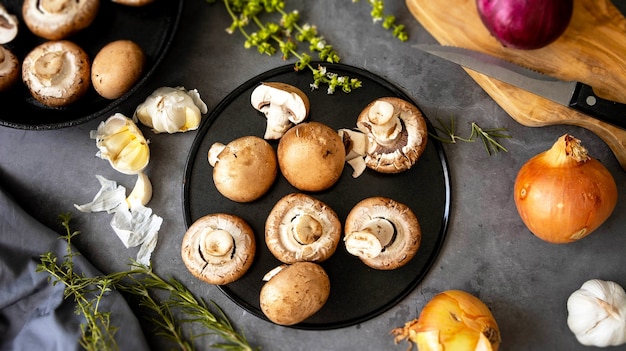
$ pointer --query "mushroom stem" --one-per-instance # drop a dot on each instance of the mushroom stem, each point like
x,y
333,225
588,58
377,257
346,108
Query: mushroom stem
x,y
372,239
386,125
306,229
54,6
217,243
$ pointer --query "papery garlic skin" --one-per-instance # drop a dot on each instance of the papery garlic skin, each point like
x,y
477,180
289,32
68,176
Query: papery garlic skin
x,y
171,110
597,313
121,142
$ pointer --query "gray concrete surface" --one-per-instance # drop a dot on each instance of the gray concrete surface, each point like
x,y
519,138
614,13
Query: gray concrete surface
x,y
487,251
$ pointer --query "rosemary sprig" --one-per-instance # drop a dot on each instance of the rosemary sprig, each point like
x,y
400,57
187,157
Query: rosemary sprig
x,y
271,37
97,333
489,137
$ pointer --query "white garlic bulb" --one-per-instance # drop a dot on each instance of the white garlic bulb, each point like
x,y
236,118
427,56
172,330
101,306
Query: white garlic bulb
x,y
597,313
171,110
121,142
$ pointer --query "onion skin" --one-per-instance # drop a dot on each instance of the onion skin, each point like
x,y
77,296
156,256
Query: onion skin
x,y
525,24
562,194
452,320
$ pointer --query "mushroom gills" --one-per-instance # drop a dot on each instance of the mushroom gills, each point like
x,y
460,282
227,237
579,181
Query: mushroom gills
x,y
283,106
370,241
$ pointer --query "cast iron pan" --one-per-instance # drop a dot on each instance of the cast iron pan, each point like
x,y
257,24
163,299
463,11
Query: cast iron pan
x,y
357,292
152,27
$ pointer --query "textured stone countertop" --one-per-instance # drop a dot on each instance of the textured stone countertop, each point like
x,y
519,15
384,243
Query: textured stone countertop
x,y
487,249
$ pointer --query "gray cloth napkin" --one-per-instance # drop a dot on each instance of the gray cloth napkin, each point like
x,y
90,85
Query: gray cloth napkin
x,y
33,313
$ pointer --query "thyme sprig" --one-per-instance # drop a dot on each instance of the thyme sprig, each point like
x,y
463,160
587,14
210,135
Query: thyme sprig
x,y
97,333
283,36
387,21
489,137
141,282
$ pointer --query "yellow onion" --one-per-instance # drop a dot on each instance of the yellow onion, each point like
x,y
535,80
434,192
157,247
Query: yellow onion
x,y
452,320
563,194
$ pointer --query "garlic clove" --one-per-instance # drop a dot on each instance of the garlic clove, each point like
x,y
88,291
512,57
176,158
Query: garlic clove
x,y
171,110
121,142
141,193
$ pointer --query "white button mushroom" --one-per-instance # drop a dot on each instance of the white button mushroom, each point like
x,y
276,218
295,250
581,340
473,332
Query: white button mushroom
x,y
282,104
9,69
121,142
9,25
382,232
171,110
302,228
59,19
218,248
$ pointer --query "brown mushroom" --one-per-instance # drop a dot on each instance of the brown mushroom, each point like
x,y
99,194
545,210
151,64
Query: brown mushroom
x,y
133,3
116,68
382,232
395,132
56,72
282,104
218,248
8,25
59,19
302,228
311,156
245,169
9,69
293,293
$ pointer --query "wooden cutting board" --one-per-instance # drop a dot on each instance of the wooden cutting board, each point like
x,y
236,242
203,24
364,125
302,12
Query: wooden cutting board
x,y
592,50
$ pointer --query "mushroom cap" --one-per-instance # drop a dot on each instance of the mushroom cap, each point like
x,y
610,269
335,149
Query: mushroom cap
x,y
134,3
397,151
57,72
9,25
116,68
302,228
282,104
218,248
59,19
295,293
245,168
9,69
407,234
311,156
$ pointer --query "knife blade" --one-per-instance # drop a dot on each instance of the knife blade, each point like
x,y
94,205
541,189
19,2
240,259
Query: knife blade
x,y
575,95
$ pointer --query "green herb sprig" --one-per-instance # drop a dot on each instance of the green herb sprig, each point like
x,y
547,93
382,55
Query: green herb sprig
x,y
98,331
489,137
283,36
387,21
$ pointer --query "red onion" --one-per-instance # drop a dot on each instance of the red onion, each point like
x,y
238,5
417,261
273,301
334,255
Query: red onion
x,y
525,24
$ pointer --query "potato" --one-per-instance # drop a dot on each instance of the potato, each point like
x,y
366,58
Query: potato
x,y
116,68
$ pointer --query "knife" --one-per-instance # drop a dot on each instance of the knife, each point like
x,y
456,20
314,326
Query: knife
x,y
575,95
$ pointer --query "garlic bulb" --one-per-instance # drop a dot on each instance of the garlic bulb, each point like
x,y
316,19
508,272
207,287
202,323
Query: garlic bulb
x,y
121,142
597,313
171,110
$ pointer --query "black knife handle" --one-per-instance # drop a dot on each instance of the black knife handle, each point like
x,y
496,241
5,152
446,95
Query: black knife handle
x,y
584,100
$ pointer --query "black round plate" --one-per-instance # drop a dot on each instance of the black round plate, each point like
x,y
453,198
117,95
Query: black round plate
x,y
152,27
357,292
